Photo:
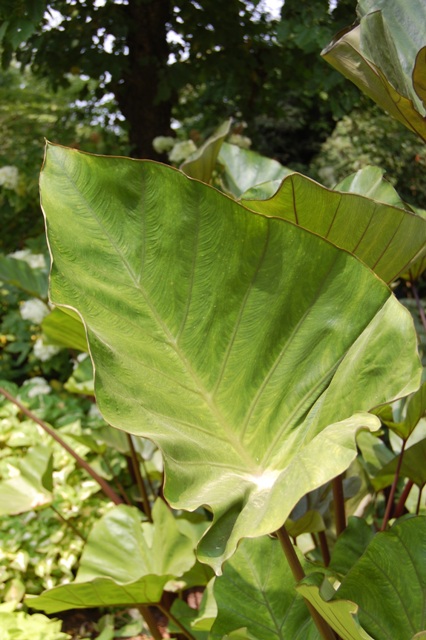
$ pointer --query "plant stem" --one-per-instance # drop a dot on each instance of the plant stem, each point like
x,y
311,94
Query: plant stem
x,y
339,504
419,304
175,621
419,500
68,523
325,631
139,479
393,489
402,499
324,548
150,621
106,488
117,483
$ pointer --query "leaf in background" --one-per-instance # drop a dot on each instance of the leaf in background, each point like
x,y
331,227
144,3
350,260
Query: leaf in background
x,y
244,169
388,583
31,487
200,165
415,409
65,330
81,380
384,57
375,456
259,579
124,562
370,182
340,615
386,238
207,612
350,545
18,625
413,467
213,335
19,274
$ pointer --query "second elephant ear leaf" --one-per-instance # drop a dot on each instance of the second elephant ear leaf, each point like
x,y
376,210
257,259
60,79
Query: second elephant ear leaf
x,y
384,55
386,238
247,348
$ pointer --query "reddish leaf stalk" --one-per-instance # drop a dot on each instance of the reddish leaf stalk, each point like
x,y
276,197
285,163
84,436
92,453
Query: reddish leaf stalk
x,y
139,480
419,500
106,488
150,621
68,523
325,631
175,621
324,548
402,499
339,504
393,489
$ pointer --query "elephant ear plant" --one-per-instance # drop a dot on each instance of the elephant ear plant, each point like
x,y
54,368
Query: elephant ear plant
x,y
249,340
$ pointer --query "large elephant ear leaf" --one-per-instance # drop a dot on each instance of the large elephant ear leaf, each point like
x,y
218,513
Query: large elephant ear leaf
x,y
385,57
388,239
248,349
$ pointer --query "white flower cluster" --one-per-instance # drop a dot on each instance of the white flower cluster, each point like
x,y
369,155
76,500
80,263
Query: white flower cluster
x,y
34,310
181,151
39,386
162,144
35,260
43,351
9,177
177,151
240,141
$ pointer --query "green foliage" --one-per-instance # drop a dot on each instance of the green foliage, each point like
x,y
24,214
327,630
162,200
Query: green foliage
x,y
29,113
257,343
369,137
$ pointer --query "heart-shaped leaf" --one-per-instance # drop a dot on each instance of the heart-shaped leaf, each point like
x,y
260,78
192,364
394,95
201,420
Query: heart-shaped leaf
x,y
259,579
226,337
124,562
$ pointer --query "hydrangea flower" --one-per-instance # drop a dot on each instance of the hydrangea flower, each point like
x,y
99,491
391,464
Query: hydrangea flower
x,y
34,310
39,386
43,351
240,141
181,151
162,144
9,177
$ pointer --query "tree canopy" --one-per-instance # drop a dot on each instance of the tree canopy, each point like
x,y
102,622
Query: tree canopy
x,y
202,61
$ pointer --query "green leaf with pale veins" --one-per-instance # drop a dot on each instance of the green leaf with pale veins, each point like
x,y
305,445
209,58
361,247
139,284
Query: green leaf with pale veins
x,y
124,562
212,334
388,239
388,583
258,578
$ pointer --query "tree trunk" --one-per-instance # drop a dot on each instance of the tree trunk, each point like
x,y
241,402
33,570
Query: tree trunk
x,y
148,114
